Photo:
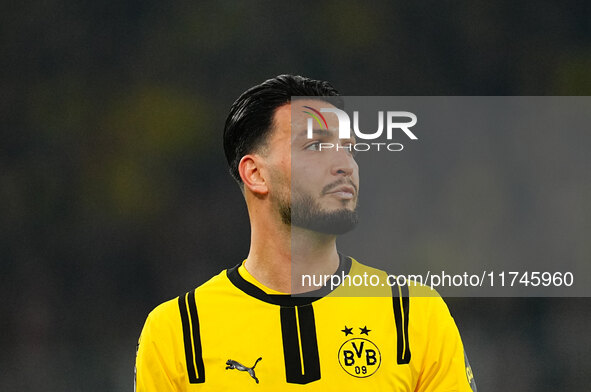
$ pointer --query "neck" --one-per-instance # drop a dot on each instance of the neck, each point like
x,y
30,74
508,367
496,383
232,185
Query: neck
x,y
280,254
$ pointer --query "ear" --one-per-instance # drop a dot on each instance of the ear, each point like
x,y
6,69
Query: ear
x,y
249,169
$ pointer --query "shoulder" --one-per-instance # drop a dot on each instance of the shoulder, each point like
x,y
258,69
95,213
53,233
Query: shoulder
x,y
165,313
423,302
169,312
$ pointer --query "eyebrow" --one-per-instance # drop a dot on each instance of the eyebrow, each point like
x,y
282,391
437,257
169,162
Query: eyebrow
x,y
321,133
318,132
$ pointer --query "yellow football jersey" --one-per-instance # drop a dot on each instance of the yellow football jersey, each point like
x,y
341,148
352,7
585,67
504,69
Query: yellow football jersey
x,y
233,334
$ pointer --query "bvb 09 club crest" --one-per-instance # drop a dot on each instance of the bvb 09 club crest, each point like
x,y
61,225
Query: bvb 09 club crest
x,y
359,357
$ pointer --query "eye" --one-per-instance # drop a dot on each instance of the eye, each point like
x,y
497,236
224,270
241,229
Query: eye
x,y
313,146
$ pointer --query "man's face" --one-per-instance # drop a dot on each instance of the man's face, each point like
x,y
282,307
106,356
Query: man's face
x,y
313,185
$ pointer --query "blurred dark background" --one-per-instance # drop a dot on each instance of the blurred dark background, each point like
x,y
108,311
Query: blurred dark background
x,y
114,192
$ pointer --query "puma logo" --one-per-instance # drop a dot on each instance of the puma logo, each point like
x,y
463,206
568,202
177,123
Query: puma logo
x,y
238,366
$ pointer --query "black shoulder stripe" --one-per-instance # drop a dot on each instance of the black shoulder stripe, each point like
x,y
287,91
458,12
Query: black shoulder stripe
x,y
401,306
196,337
298,331
188,319
187,339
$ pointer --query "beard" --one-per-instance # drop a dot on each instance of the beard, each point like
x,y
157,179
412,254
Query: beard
x,y
305,212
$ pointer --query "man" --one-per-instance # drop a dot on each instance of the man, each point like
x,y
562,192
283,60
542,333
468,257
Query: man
x,y
243,330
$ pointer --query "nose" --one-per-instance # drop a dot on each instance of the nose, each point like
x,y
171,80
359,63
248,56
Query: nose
x,y
342,163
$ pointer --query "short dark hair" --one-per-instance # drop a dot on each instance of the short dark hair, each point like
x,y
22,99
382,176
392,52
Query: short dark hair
x,y
251,116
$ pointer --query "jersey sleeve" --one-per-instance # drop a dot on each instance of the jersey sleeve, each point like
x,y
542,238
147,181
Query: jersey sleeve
x,y
155,365
445,367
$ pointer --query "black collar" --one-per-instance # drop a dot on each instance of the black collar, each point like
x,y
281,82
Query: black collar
x,y
287,299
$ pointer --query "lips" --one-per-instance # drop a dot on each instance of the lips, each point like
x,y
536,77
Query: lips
x,y
343,191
